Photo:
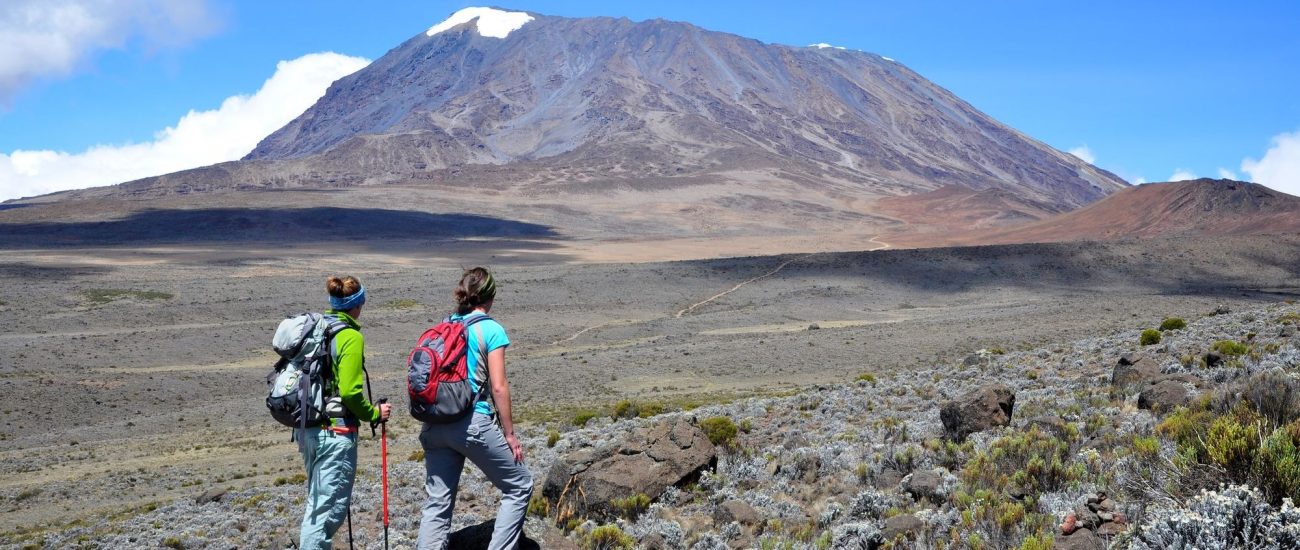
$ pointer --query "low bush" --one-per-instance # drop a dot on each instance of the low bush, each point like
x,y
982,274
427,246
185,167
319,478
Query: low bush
x,y
1234,517
721,430
625,409
1230,348
581,418
1149,337
631,507
1173,323
101,296
552,437
608,537
416,456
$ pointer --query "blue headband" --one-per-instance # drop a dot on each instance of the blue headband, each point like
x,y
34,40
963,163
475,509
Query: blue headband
x,y
348,302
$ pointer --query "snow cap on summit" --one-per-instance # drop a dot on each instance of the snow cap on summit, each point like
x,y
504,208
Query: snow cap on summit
x,y
823,45
491,22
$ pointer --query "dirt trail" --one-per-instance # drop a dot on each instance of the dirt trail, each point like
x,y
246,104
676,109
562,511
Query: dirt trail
x,y
774,271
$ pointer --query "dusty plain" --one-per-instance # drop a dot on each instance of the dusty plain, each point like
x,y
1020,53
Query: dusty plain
x,y
135,376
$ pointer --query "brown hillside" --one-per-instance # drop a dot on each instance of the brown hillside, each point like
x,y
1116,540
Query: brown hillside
x,y
1187,208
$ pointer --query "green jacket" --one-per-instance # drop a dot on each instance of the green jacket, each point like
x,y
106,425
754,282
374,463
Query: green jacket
x,y
349,370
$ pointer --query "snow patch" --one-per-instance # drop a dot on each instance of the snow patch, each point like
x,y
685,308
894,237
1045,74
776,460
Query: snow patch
x,y
491,22
823,45
888,59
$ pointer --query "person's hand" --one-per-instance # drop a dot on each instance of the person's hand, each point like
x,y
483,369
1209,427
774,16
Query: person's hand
x,y
515,448
385,410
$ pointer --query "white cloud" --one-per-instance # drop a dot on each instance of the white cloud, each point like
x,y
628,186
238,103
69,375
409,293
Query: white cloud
x,y
200,138
1084,154
40,38
1182,174
1139,180
1280,167
491,22
1227,174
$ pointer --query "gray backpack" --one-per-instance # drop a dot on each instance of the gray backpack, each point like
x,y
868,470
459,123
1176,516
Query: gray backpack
x,y
300,381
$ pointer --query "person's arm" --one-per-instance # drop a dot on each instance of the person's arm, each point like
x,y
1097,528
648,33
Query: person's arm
x,y
351,347
501,397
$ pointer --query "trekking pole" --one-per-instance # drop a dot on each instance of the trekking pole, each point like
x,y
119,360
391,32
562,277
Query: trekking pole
x,y
383,465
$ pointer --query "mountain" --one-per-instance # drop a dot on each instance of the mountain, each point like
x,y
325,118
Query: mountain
x,y
1201,207
603,126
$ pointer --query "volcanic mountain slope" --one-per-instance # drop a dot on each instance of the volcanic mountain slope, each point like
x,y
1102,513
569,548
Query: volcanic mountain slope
x,y
1184,208
644,128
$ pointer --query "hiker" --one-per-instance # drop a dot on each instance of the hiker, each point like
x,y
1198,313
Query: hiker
x,y
329,451
486,437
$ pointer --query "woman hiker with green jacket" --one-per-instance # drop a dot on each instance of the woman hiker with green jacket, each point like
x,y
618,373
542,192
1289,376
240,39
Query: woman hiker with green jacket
x,y
329,451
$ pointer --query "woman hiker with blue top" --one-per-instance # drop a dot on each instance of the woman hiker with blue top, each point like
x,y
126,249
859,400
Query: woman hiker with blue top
x,y
486,437
329,451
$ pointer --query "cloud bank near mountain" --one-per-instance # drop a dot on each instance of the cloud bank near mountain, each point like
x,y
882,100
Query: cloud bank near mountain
x,y
199,138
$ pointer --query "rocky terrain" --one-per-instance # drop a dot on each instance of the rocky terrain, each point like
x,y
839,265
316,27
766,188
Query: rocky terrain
x,y
136,379
1001,448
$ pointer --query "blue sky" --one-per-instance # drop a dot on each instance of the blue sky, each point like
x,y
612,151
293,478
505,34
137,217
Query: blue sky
x,y
1149,88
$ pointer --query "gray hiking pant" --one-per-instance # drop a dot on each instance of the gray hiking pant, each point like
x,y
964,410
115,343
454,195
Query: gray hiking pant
x,y
446,446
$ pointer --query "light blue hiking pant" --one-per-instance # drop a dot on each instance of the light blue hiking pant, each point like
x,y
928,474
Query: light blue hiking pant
x,y
331,461
446,446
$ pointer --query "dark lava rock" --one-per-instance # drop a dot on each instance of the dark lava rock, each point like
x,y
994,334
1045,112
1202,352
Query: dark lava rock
x,y
905,525
1083,539
986,407
1213,359
647,461
923,484
211,495
814,326
1134,370
1169,392
738,511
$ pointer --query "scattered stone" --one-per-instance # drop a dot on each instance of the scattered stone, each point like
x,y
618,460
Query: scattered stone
x,y
904,525
986,407
923,484
647,461
1169,392
1134,370
1051,424
1221,310
738,511
1082,539
211,495
1110,529
814,326
1085,518
1213,359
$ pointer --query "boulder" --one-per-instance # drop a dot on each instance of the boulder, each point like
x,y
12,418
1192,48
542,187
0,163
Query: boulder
x,y
923,484
1213,359
738,511
986,407
211,495
1168,392
1134,370
1081,539
647,461
905,525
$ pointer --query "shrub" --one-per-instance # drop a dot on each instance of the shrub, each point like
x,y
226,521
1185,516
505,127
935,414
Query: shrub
x,y
1235,517
648,410
1173,323
402,303
1032,459
720,429
625,409
1230,348
868,378
173,542
416,456
608,537
1146,447
582,417
631,507
538,505
101,296
1149,336
552,437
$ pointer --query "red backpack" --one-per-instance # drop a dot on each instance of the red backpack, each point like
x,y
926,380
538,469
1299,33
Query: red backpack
x,y
437,373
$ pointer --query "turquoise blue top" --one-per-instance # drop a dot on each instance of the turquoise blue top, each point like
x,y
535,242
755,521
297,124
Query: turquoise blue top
x,y
494,335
